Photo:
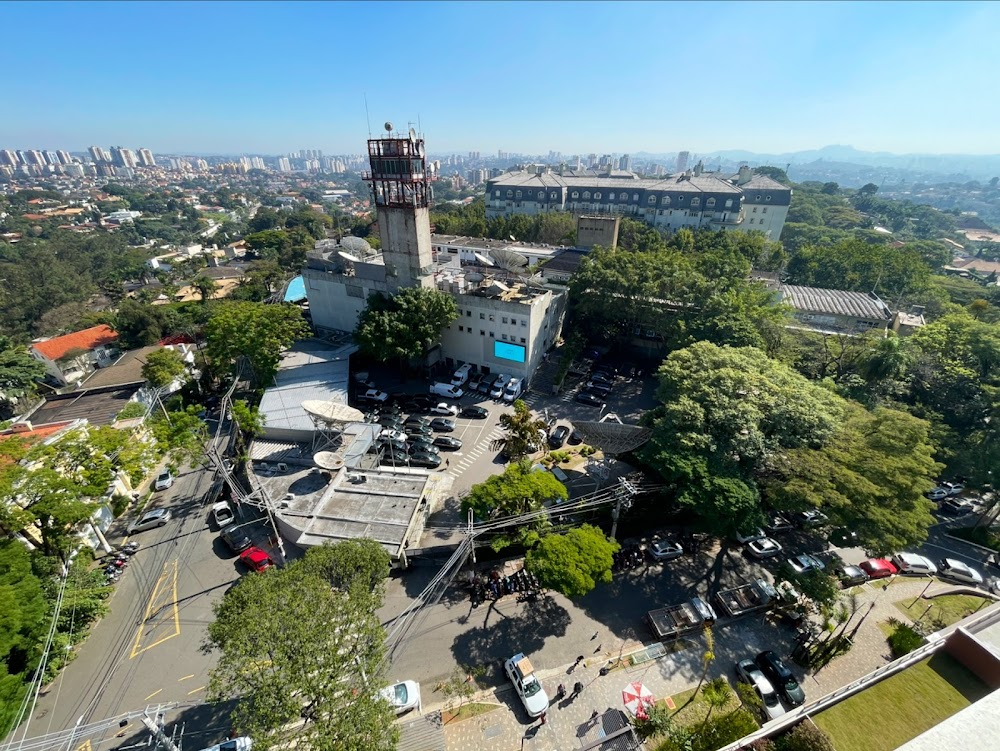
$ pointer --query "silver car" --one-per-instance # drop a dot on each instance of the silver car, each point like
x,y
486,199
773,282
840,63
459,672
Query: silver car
x,y
748,672
156,518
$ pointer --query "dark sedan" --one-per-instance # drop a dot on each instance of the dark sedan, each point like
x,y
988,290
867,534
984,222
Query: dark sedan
x,y
781,678
575,439
584,397
425,459
558,436
476,413
236,539
442,425
447,443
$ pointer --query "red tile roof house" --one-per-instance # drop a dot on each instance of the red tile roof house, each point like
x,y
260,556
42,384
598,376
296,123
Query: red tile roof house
x,y
70,357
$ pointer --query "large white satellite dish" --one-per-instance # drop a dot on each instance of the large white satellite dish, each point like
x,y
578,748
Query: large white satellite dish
x,y
332,412
328,460
348,257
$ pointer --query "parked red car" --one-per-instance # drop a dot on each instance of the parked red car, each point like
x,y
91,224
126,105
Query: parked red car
x,y
256,559
878,568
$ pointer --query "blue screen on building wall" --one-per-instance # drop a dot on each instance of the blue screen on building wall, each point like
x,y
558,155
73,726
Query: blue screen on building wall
x,y
506,351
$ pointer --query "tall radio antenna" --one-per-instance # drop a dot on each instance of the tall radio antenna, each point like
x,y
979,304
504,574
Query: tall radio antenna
x,y
367,117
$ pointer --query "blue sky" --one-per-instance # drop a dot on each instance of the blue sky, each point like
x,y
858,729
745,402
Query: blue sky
x,y
525,77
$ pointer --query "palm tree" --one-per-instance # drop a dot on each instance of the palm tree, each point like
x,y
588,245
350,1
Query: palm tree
x,y
205,286
887,360
716,694
522,433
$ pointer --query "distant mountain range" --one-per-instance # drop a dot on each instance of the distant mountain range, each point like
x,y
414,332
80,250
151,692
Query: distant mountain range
x,y
972,166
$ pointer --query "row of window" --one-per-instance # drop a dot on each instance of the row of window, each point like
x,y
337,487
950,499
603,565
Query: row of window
x,y
763,210
512,338
505,319
621,197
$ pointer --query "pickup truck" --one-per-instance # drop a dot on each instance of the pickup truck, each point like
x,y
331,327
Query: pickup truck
x,y
687,618
755,596
522,675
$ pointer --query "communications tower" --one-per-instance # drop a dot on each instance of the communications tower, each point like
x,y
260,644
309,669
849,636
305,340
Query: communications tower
x,y
402,199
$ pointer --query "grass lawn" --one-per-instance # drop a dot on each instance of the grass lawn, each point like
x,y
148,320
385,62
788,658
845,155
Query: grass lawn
x,y
466,712
947,608
902,706
695,712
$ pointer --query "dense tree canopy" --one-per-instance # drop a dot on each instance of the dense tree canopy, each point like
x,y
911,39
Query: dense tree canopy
x,y
305,659
522,431
520,489
859,266
404,326
163,367
256,331
575,562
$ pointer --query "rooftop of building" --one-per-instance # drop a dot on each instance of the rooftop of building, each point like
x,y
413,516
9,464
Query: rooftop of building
x,y
98,406
310,369
566,262
126,369
686,181
59,346
835,302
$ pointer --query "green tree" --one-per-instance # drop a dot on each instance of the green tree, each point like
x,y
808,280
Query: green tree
x,y
817,586
49,500
726,412
716,694
253,330
19,372
358,567
575,562
305,661
181,432
404,326
519,490
854,265
140,325
521,432
805,736
870,476
205,286
163,367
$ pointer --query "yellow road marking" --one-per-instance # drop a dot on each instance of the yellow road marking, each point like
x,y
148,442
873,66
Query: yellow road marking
x,y
85,746
185,677
167,579
200,688
153,694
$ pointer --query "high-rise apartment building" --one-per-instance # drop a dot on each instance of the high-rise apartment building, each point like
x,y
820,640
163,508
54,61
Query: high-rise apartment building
x,y
9,157
284,165
122,157
99,155
64,157
625,163
683,158
146,158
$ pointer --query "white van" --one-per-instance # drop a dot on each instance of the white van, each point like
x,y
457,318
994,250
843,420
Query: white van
x,y
513,390
447,389
461,375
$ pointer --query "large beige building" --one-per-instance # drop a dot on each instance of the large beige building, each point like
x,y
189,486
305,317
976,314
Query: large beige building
x,y
692,199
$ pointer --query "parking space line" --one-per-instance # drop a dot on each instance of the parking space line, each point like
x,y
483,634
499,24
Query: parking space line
x,y
153,694
185,677
200,688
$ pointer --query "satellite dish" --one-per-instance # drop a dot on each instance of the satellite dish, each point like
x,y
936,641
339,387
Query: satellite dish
x,y
512,238
348,257
475,277
331,411
328,460
357,246
413,135
388,127
509,260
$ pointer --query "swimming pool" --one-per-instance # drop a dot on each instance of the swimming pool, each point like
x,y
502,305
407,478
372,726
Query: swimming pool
x,y
296,290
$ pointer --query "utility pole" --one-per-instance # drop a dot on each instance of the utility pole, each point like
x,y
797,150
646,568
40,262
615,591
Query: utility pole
x,y
626,491
472,539
162,741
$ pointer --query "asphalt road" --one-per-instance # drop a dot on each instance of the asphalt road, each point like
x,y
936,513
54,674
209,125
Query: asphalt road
x,y
146,651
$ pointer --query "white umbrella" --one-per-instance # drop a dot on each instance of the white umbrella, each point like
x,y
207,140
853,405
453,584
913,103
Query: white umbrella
x,y
637,697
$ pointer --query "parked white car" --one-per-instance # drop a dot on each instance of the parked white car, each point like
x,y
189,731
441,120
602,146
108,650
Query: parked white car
x,y
443,408
749,535
374,395
912,564
403,696
155,518
765,547
222,514
163,480
949,568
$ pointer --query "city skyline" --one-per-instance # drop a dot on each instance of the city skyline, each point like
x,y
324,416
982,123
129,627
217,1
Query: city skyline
x,y
271,79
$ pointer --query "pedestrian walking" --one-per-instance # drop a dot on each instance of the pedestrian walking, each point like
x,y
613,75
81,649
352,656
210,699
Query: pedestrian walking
x,y
577,688
594,636
447,463
594,715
